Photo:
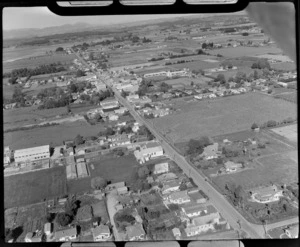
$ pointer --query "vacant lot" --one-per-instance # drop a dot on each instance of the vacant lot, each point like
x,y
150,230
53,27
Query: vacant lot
x,y
114,169
290,132
222,116
246,51
278,168
33,187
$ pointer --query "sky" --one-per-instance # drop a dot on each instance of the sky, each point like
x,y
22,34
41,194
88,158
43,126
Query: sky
x,y
40,17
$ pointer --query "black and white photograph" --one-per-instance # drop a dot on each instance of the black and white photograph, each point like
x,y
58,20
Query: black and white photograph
x,y
150,127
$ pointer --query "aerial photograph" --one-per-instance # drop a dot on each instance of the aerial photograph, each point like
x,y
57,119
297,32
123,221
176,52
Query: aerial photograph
x,y
147,128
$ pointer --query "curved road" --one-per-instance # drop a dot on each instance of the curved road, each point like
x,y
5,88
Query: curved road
x,y
234,218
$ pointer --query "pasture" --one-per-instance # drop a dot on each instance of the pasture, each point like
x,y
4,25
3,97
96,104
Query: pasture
x,y
284,66
277,168
54,135
221,116
33,62
246,51
290,132
33,187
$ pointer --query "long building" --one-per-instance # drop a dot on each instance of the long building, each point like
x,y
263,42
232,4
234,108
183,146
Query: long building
x,y
32,154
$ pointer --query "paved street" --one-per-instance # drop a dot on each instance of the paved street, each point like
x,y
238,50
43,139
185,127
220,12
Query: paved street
x,y
234,218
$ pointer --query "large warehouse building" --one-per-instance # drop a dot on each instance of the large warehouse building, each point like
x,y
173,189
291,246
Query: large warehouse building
x,y
32,154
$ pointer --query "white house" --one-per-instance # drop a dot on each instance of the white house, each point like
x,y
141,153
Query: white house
x,y
193,209
101,233
48,228
148,151
176,232
66,235
211,151
266,194
232,167
170,186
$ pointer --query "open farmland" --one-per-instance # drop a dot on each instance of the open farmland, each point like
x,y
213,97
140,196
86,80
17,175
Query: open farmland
x,y
196,65
49,135
278,169
246,51
289,132
222,115
32,187
284,66
33,62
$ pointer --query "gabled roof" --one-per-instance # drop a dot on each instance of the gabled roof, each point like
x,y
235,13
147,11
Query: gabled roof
x,y
193,208
66,233
266,191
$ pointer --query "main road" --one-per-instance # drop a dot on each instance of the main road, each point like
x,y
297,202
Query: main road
x,y
234,218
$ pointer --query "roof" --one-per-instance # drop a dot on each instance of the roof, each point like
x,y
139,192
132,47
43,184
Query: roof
x,y
101,229
33,150
193,208
206,219
211,150
161,166
230,164
176,231
65,233
47,227
135,230
167,176
171,183
152,145
116,185
266,191
196,195
179,195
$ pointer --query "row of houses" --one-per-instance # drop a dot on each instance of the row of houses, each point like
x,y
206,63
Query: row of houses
x,y
170,74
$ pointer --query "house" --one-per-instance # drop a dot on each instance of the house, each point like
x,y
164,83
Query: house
x,y
122,190
115,186
122,110
48,228
66,235
32,237
292,231
113,117
211,151
266,194
193,209
108,104
132,97
101,233
135,232
161,168
203,223
10,106
176,232
148,151
179,197
232,167
170,186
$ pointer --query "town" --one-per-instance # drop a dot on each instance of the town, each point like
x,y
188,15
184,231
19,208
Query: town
x,y
180,131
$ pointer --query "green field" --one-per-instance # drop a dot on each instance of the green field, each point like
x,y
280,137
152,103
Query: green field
x,y
284,66
222,115
32,187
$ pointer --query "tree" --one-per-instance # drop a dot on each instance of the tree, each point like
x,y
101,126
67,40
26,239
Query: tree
x,y
78,140
50,217
14,233
98,183
18,96
124,94
270,91
271,123
254,126
63,219
255,75
80,73
91,56
143,172
240,76
197,146
109,131
221,78
59,49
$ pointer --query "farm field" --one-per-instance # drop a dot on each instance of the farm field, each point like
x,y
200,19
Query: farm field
x,y
278,169
33,62
232,73
196,65
246,51
222,116
284,66
291,97
290,132
48,135
32,187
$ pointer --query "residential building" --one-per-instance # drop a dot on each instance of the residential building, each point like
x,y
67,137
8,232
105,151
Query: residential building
x,y
176,232
161,168
196,196
32,154
108,104
232,167
179,197
211,151
266,194
170,186
66,235
132,97
148,151
121,110
115,186
122,190
113,117
166,177
48,228
101,233
32,237
135,232
193,209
